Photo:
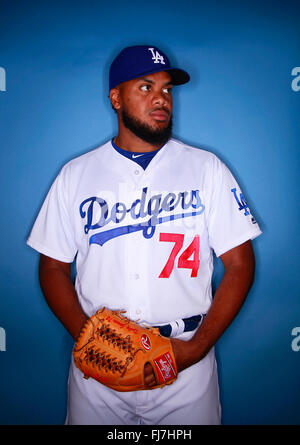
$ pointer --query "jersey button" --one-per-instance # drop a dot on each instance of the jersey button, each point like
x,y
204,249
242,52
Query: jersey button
x,y
136,276
136,172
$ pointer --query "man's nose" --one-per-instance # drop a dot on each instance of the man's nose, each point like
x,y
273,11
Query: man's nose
x,y
159,99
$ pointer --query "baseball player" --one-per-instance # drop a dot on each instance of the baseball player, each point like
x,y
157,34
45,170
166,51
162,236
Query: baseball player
x,y
142,215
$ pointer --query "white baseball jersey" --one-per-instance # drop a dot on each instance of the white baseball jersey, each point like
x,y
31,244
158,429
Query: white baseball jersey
x,y
144,242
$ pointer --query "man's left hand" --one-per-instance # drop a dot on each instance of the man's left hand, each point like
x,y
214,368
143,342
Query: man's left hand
x,y
183,357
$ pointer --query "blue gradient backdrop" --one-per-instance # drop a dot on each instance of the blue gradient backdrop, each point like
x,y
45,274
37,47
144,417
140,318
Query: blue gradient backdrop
x,y
239,104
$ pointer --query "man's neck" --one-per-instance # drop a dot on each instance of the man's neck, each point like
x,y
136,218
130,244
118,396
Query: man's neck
x,y
131,142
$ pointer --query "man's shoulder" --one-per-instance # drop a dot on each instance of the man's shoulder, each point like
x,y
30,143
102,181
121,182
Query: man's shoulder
x,y
82,162
192,151
89,156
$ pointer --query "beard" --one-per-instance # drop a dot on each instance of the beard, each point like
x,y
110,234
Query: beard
x,y
145,132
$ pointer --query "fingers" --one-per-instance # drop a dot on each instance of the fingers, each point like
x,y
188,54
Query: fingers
x,y
149,375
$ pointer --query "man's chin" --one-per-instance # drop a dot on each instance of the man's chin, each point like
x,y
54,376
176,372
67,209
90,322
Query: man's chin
x,y
158,127
156,133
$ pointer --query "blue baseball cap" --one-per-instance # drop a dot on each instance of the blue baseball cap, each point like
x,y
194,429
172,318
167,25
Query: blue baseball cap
x,y
136,61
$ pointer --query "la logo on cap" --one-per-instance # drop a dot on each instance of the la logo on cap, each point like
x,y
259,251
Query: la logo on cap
x,y
158,58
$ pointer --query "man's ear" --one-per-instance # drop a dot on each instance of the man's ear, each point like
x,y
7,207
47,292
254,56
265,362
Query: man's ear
x,y
115,98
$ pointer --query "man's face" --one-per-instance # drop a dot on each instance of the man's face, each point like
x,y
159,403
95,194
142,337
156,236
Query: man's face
x,y
146,107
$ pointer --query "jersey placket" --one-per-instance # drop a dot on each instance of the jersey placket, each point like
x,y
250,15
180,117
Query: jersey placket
x,y
137,258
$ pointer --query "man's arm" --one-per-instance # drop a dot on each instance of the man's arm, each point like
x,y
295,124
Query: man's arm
x,y
60,294
239,265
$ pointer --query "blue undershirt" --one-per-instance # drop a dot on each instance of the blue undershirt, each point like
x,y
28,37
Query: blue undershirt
x,y
142,159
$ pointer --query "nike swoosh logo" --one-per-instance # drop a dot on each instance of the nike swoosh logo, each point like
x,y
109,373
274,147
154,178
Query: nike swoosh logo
x,y
136,156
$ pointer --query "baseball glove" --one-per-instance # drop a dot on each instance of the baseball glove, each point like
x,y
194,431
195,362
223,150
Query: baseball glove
x,y
114,350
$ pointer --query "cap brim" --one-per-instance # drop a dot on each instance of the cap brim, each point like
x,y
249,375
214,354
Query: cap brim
x,y
179,77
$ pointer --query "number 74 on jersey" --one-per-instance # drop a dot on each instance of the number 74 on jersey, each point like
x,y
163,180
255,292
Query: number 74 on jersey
x,y
188,259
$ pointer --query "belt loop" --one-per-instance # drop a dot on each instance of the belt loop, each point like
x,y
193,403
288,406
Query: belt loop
x,y
177,327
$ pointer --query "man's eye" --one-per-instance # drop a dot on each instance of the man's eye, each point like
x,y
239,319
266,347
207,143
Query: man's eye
x,y
167,90
145,87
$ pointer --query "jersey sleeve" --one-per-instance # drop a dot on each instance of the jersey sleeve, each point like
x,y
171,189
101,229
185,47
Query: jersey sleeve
x,y
52,233
230,221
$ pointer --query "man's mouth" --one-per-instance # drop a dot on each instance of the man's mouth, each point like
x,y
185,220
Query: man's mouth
x,y
160,115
